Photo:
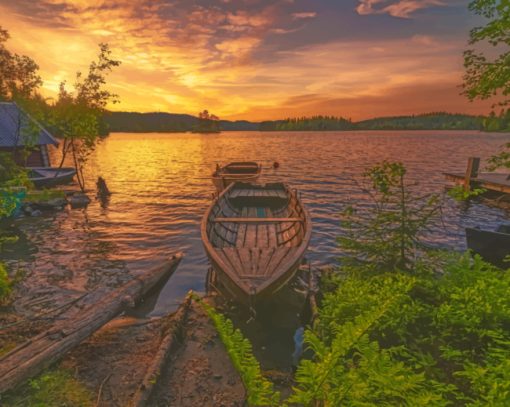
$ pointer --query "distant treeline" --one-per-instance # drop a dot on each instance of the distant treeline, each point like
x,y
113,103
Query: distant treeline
x,y
429,121
169,122
497,123
314,123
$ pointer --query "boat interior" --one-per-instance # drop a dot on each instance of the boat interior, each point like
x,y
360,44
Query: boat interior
x,y
256,228
241,168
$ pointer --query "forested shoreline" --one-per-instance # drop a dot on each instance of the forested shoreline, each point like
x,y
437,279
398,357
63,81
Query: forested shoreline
x,y
135,122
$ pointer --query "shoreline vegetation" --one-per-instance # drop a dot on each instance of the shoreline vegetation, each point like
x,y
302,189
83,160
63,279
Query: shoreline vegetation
x,y
397,322
159,122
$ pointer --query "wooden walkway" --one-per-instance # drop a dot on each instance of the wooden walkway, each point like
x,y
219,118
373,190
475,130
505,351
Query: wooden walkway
x,y
487,180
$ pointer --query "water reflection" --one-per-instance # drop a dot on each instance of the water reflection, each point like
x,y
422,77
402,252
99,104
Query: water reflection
x,y
160,189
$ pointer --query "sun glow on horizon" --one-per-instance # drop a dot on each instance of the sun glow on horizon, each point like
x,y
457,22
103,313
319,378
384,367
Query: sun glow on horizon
x,y
265,59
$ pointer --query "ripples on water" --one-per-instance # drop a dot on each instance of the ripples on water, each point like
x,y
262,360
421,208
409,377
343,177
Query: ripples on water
x,y
161,188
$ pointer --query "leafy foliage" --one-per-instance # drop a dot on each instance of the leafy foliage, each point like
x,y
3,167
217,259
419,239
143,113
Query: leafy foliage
x,y
488,77
77,117
386,235
392,339
53,388
18,73
495,123
5,283
259,390
350,368
501,160
460,194
44,195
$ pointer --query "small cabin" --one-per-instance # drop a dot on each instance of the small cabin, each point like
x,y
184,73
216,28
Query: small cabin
x,y
24,137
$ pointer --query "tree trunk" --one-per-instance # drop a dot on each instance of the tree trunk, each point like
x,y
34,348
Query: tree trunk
x,y
32,357
79,169
65,149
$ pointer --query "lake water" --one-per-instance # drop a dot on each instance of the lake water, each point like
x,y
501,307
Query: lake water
x,y
161,188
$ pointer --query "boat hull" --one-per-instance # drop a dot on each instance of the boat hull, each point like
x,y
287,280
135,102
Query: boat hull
x,y
246,171
492,246
229,288
45,177
255,237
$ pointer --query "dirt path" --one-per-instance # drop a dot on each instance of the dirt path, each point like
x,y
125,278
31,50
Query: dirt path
x,y
198,373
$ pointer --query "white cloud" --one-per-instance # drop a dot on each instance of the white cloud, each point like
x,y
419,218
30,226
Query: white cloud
x,y
299,16
396,8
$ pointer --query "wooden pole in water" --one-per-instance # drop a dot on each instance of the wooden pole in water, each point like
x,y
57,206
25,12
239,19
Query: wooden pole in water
x,y
32,357
471,171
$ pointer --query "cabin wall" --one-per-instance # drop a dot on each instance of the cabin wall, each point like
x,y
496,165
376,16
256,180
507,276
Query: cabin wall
x,y
36,157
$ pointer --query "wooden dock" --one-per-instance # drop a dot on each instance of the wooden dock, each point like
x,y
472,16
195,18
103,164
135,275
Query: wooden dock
x,y
487,180
472,178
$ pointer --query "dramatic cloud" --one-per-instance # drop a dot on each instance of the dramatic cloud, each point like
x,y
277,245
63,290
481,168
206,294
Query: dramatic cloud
x,y
252,59
400,8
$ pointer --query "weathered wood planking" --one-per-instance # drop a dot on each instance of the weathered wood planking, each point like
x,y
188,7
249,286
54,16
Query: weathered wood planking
x,y
490,181
264,238
257,220
38,353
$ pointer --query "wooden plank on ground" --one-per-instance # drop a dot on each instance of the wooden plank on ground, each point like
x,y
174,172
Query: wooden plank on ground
x,y
38,353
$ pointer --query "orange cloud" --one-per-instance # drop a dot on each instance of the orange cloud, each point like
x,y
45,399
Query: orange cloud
x,y
399,8
181,57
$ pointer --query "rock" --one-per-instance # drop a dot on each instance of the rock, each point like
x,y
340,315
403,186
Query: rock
x,y
27,209
35,213
57,203
79,200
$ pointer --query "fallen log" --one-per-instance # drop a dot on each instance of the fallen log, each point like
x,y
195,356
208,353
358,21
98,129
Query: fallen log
x,y
144,391
32,357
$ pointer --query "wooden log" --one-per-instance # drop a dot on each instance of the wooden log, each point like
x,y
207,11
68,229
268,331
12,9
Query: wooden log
x,y
312,290
471,171
32,357
144,391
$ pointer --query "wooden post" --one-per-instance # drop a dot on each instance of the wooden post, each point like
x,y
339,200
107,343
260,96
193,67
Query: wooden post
x,y
471,171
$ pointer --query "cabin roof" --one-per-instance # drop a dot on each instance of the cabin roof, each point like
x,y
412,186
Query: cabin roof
x,y
17,128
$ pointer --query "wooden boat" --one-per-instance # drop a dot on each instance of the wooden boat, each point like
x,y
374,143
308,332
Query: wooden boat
x,y
493,246
43,177
255,237
243,171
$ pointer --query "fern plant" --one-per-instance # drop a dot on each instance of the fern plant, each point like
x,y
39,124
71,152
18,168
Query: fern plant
x,y
349,367
260,391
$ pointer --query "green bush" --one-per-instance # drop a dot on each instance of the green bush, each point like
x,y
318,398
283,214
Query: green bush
x,y
5,283
387,234
53,388
428,340
460,194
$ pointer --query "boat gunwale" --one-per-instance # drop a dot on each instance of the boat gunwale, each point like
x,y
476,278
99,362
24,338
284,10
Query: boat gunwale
x,y
220,174
290,264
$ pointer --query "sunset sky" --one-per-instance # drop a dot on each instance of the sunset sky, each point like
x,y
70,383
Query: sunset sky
x,y
257,59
